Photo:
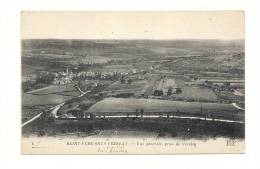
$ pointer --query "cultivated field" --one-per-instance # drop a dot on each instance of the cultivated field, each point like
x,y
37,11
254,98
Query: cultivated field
x,y
150,85
196,94
124,105
134,87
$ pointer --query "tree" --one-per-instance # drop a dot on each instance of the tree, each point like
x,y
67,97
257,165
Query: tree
x,y
208,83
45,77
142,112
169,92
136,112
178,90
226,84
158,93
27,86
122,80
129,81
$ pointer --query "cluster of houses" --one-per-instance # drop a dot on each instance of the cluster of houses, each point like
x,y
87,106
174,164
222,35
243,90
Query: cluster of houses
x,y
68,76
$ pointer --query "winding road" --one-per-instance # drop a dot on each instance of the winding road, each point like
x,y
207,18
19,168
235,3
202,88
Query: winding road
x,y
236,106
54,110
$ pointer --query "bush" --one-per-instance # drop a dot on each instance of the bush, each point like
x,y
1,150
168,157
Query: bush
x,y
174,134
41,133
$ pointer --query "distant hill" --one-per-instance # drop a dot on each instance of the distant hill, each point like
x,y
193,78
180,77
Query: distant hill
x,y
57,54
134,47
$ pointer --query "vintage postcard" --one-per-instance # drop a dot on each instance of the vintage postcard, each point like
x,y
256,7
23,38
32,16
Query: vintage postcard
x,y
132,82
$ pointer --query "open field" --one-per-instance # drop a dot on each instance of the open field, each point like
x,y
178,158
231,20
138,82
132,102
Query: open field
x,y
151,85
56,89
230,97
51,95
179,80
110,105
41,99
196,94
188,93
135,87
44,99
169,83
118,67
224,80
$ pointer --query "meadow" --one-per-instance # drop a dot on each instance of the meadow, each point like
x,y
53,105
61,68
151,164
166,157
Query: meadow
x,y
124,105
135,86
39,100
196,94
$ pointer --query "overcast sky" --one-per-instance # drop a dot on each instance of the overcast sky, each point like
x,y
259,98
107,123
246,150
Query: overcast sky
x,y
133,25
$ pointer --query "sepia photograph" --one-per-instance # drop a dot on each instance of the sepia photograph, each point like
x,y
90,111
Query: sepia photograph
x,y
124,82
